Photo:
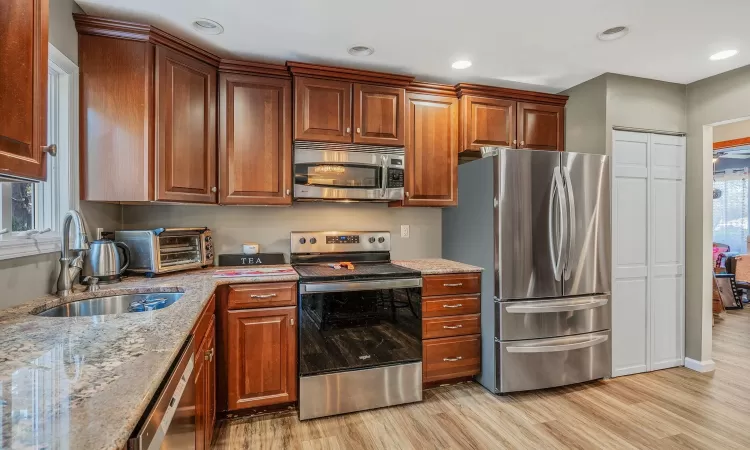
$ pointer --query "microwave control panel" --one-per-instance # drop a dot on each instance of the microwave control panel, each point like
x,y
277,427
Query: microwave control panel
x,y
395,178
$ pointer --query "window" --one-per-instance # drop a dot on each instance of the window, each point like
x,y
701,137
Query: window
x,y
31,213
730,210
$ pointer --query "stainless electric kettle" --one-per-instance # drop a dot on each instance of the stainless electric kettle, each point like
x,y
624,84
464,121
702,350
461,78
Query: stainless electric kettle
x,y
103,261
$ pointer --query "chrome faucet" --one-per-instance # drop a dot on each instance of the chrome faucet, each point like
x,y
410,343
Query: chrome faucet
x,y
70,268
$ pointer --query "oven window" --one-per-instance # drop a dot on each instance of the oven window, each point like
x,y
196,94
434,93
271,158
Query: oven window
x,y
338,175
360,329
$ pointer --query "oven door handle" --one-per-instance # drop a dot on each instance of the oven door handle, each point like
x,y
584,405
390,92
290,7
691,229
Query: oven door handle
x,y
349,286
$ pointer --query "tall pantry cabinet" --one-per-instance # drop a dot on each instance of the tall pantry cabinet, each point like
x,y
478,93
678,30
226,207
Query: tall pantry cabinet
x,y
648,251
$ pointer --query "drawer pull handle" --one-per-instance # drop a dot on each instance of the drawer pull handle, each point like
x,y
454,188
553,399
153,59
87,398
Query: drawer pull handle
x,y
457,305
262,295
457,358
452,284
454,327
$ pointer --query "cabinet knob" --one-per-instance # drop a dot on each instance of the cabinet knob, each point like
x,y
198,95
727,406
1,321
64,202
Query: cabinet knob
x,y
51,149
359,130
209,355
522,143
213,189
515,141
406,194
288,192
348,130
291,321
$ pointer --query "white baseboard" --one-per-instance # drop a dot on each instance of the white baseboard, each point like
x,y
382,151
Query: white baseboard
x,y
700,366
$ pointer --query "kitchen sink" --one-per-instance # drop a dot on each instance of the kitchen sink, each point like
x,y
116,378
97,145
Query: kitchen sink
x,y
114,304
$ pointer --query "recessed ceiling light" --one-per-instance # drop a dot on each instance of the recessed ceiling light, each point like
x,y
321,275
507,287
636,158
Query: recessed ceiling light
x,y
610,34
208,26
723,55
461,64
361,50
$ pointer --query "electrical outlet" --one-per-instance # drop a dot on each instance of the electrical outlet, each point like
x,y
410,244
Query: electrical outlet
x,y
404,231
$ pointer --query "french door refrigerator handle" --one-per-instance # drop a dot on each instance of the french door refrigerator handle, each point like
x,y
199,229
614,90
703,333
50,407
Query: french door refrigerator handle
x,y
558,186
574,304
572,223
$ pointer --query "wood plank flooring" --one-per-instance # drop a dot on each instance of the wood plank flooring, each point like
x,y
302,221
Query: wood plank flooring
x,y
669,409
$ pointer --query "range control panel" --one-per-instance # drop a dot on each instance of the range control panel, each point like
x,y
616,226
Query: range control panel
x,y
343,239
340,241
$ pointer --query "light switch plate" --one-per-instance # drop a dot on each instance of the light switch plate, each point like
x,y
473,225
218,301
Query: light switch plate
x,y
404,231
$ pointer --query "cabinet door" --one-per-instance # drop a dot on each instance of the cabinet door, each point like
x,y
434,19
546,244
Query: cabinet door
x,y
322,110
487,122
262,357
378,115
201,400
255,140
209,344
431,175
23,88
185,128
541,127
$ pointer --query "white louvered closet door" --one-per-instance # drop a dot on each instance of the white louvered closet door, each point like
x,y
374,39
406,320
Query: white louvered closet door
x,y
648,251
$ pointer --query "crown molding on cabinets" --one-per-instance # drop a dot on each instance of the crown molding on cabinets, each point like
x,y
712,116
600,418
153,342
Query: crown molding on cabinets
x,y
253,68
421,87
99,26
345,74
513,94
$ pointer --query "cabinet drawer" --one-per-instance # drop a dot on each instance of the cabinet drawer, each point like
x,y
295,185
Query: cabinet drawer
x,y
451,357
454,283
450,306
439,327
262,295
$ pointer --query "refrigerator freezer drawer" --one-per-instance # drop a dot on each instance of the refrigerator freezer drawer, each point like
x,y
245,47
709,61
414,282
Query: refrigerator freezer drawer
x,y
545,363
533,319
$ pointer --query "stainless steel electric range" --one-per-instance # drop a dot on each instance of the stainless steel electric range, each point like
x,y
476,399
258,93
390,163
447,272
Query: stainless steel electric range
x,y
360,327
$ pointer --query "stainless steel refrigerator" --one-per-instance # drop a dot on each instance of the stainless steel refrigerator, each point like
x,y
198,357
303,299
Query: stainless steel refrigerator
x,y
538,222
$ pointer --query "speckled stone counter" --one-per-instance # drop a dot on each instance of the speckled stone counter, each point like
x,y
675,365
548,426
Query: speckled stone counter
x,y
83,382
437,266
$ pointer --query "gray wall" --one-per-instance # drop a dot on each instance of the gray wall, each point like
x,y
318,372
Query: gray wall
x,y
62,30
724,97
270,226
585,117
642,103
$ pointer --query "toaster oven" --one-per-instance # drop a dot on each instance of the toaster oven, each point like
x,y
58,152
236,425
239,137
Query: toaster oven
x,y
164,250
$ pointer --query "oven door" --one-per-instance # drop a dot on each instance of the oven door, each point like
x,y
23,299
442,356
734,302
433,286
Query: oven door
x,y
359,324
348,175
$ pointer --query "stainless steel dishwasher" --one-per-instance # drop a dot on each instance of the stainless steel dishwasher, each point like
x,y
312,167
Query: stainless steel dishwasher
x,y
170,423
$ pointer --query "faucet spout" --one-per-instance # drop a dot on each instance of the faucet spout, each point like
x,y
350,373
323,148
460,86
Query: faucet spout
x,y
70,266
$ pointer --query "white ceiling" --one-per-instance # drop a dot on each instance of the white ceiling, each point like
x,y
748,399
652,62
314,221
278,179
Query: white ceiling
x,y
545,45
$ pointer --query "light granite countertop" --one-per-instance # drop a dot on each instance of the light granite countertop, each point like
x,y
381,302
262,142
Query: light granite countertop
x,y
437,266
83,383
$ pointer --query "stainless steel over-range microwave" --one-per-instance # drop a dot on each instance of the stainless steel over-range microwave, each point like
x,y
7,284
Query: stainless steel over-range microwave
x,y
348,172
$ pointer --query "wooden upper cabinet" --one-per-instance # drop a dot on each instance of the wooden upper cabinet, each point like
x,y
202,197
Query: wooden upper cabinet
x,y
541,127
261,357
322,110
431,177
23,88
186,128
487,122
255,140
378,115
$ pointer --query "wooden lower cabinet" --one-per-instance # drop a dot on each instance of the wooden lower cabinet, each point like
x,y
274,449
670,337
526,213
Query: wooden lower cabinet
x,y
261,352
451,327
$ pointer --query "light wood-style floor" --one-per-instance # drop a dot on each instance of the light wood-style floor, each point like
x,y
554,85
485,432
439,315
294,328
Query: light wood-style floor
x,y
668,409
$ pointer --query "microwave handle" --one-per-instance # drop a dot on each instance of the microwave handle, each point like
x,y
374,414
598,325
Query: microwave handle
x,y
384,177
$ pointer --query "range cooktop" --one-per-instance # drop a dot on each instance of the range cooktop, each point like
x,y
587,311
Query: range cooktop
x,y
362,271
